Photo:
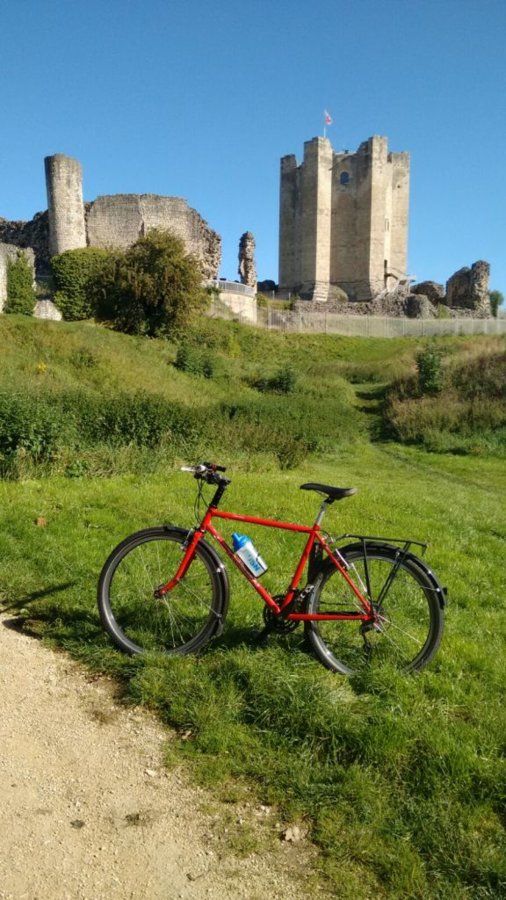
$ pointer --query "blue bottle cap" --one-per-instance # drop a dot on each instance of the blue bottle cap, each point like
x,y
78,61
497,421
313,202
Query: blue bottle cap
x,y
239,540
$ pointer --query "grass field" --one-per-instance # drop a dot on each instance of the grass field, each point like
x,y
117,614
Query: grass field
x,y
400,780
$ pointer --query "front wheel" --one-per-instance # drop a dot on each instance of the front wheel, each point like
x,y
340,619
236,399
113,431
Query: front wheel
x,y
180,622
410,619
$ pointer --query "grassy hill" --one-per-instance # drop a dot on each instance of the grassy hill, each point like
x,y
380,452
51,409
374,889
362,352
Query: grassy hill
x,y
400,780
77,398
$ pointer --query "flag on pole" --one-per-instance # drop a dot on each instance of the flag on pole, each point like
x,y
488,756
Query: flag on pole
x,y
327,117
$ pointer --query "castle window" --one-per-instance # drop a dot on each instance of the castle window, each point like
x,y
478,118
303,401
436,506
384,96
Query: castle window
x,y
344,177
387,225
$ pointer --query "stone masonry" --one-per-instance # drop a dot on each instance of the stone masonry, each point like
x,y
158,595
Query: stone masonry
x,y
34,234
118,220
64,184
109,221
468,288
343,220
247,269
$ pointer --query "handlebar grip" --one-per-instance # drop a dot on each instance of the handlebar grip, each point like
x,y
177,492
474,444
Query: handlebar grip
x,y
214,467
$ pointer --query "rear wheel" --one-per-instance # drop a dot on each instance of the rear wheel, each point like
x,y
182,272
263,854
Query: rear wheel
x,y
180,622
410,620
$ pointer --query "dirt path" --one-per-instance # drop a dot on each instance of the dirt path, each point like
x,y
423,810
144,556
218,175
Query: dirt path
x,y
87,809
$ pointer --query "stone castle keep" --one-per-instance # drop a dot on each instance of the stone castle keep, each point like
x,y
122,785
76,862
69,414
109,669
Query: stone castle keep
x,y
109,221
343,220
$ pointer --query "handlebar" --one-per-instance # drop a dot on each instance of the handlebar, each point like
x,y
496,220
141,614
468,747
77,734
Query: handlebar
x,y
208,472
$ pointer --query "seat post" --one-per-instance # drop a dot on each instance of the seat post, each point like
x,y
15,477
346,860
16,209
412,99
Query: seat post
x,y
321,512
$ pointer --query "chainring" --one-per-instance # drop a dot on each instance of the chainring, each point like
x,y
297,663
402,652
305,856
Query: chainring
x,y
277,623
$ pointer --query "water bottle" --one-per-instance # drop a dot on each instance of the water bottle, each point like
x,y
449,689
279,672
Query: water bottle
x,y
245,550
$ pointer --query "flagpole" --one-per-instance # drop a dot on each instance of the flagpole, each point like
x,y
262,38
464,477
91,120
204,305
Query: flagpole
x,y
327,120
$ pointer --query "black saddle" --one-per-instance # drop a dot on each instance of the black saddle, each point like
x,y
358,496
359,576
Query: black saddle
x,y
333,493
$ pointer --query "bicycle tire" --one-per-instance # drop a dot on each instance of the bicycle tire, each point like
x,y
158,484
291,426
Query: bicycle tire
x,y
136,620
339,645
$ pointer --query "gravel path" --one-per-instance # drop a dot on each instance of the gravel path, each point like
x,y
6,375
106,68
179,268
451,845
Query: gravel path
x,y
87,808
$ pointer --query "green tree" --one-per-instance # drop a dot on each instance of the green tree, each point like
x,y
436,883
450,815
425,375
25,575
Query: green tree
x,y
152,288
73,275
496,299
20,290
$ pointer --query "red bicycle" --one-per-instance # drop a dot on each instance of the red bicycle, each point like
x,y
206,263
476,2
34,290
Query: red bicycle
x,y
371,601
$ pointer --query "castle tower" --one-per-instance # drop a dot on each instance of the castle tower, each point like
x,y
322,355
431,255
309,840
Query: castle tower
x,y
343,220
64,180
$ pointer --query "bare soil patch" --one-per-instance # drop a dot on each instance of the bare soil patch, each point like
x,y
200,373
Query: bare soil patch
x,y
89,810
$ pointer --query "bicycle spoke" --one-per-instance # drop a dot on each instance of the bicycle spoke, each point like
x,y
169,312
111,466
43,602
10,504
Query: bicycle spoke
x,y
393,625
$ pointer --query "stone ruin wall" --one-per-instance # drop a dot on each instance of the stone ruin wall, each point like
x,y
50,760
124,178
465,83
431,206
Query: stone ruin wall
x,y
34,235
247,270
107,222
119,219
466,296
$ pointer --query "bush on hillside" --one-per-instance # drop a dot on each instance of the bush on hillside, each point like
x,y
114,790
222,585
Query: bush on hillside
x,y
283,382
74,272
29,427
429,365
496,300
194,361
20,290
153,288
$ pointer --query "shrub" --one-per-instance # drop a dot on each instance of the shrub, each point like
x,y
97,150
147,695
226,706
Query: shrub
x,y
20,290
29,426
153,288
283,382
73,273
194,361
429,365
496,299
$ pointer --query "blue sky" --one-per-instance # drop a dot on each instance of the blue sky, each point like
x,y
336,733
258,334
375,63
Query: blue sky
x,y
201,99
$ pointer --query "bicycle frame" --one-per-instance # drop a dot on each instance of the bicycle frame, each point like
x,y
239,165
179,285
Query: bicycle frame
x,y
315,536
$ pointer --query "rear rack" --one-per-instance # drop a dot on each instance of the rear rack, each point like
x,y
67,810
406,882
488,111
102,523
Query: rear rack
x,y
407,542
405,545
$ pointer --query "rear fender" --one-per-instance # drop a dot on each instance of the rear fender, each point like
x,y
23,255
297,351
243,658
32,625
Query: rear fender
x,y
441,592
